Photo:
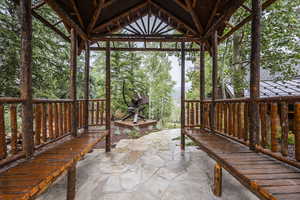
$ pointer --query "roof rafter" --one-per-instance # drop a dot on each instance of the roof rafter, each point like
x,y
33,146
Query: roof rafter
x,y
57,7
77,13
95,16
213,14
265,5
51,26
194,16
122,15
176,19
228,11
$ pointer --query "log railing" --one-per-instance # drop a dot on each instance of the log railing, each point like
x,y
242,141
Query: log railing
x,y
51,122
97,112
279,123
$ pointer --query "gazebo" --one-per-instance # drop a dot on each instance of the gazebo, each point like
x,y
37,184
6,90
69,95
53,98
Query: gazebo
x,y
58,130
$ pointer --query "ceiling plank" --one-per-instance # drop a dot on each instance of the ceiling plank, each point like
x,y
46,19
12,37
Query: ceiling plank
x,y
57,7
77,13
52,27
117,18
195,17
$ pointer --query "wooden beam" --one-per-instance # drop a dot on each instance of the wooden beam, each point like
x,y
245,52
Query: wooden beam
x,y
108,99
52,27
117,18
38,5
202,83
77,13
57,7
246,8
255,74
265,5
71,183
214,80
73,81
176,19
213,14
86,85
227,11
26,77
145,49
195,17
182,5
95,16
182,118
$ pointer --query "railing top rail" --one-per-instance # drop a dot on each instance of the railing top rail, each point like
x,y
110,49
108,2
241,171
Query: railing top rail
x,y
52,100
262,99
10,100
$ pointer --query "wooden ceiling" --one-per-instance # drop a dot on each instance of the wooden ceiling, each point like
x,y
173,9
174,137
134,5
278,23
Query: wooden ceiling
x,y
96,19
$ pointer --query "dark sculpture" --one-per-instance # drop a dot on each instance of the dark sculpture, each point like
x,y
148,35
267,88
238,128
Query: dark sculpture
x,y
136,106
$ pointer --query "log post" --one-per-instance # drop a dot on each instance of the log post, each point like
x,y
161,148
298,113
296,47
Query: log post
x,y
26,77
73,79
297,131
202,83
86,86
214,81
182,96
217,190
254,74
107,98
71,183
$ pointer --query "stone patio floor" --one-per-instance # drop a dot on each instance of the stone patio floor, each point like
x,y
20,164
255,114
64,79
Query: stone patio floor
x,y
149,168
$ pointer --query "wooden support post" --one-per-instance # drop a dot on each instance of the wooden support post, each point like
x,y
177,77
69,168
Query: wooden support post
x,y
297,131
254,74
26,77
217,190
214,81
86,86
202,83
108,100
71,184
73,80
182,96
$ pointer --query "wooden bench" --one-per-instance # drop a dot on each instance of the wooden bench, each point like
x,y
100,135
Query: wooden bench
x,y
265,176
28,179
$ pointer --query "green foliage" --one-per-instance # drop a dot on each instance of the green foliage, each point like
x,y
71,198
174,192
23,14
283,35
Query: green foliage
x,y
50,55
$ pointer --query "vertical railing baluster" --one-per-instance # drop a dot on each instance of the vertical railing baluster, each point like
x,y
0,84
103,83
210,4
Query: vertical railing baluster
x,y
263,119
246,121
44,122
61,119
97,113
38,120
50,121
14,128
297,131
3,147
284,128
274,127
56,129
226,118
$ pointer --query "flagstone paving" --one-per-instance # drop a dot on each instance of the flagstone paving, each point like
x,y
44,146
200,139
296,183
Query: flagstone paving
x,y
149,168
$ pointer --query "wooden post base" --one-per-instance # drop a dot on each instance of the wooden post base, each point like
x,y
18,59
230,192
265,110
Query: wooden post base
x,y
182,140
217,190
71,184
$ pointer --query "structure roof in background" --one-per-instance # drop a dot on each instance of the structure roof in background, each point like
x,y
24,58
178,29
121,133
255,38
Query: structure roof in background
x,y
272,88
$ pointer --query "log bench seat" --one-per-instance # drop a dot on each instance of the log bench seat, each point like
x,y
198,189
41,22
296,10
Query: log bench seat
x,y
265,176
31,177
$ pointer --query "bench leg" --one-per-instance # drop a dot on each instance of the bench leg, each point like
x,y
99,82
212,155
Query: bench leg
x,y
217,190
71,184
